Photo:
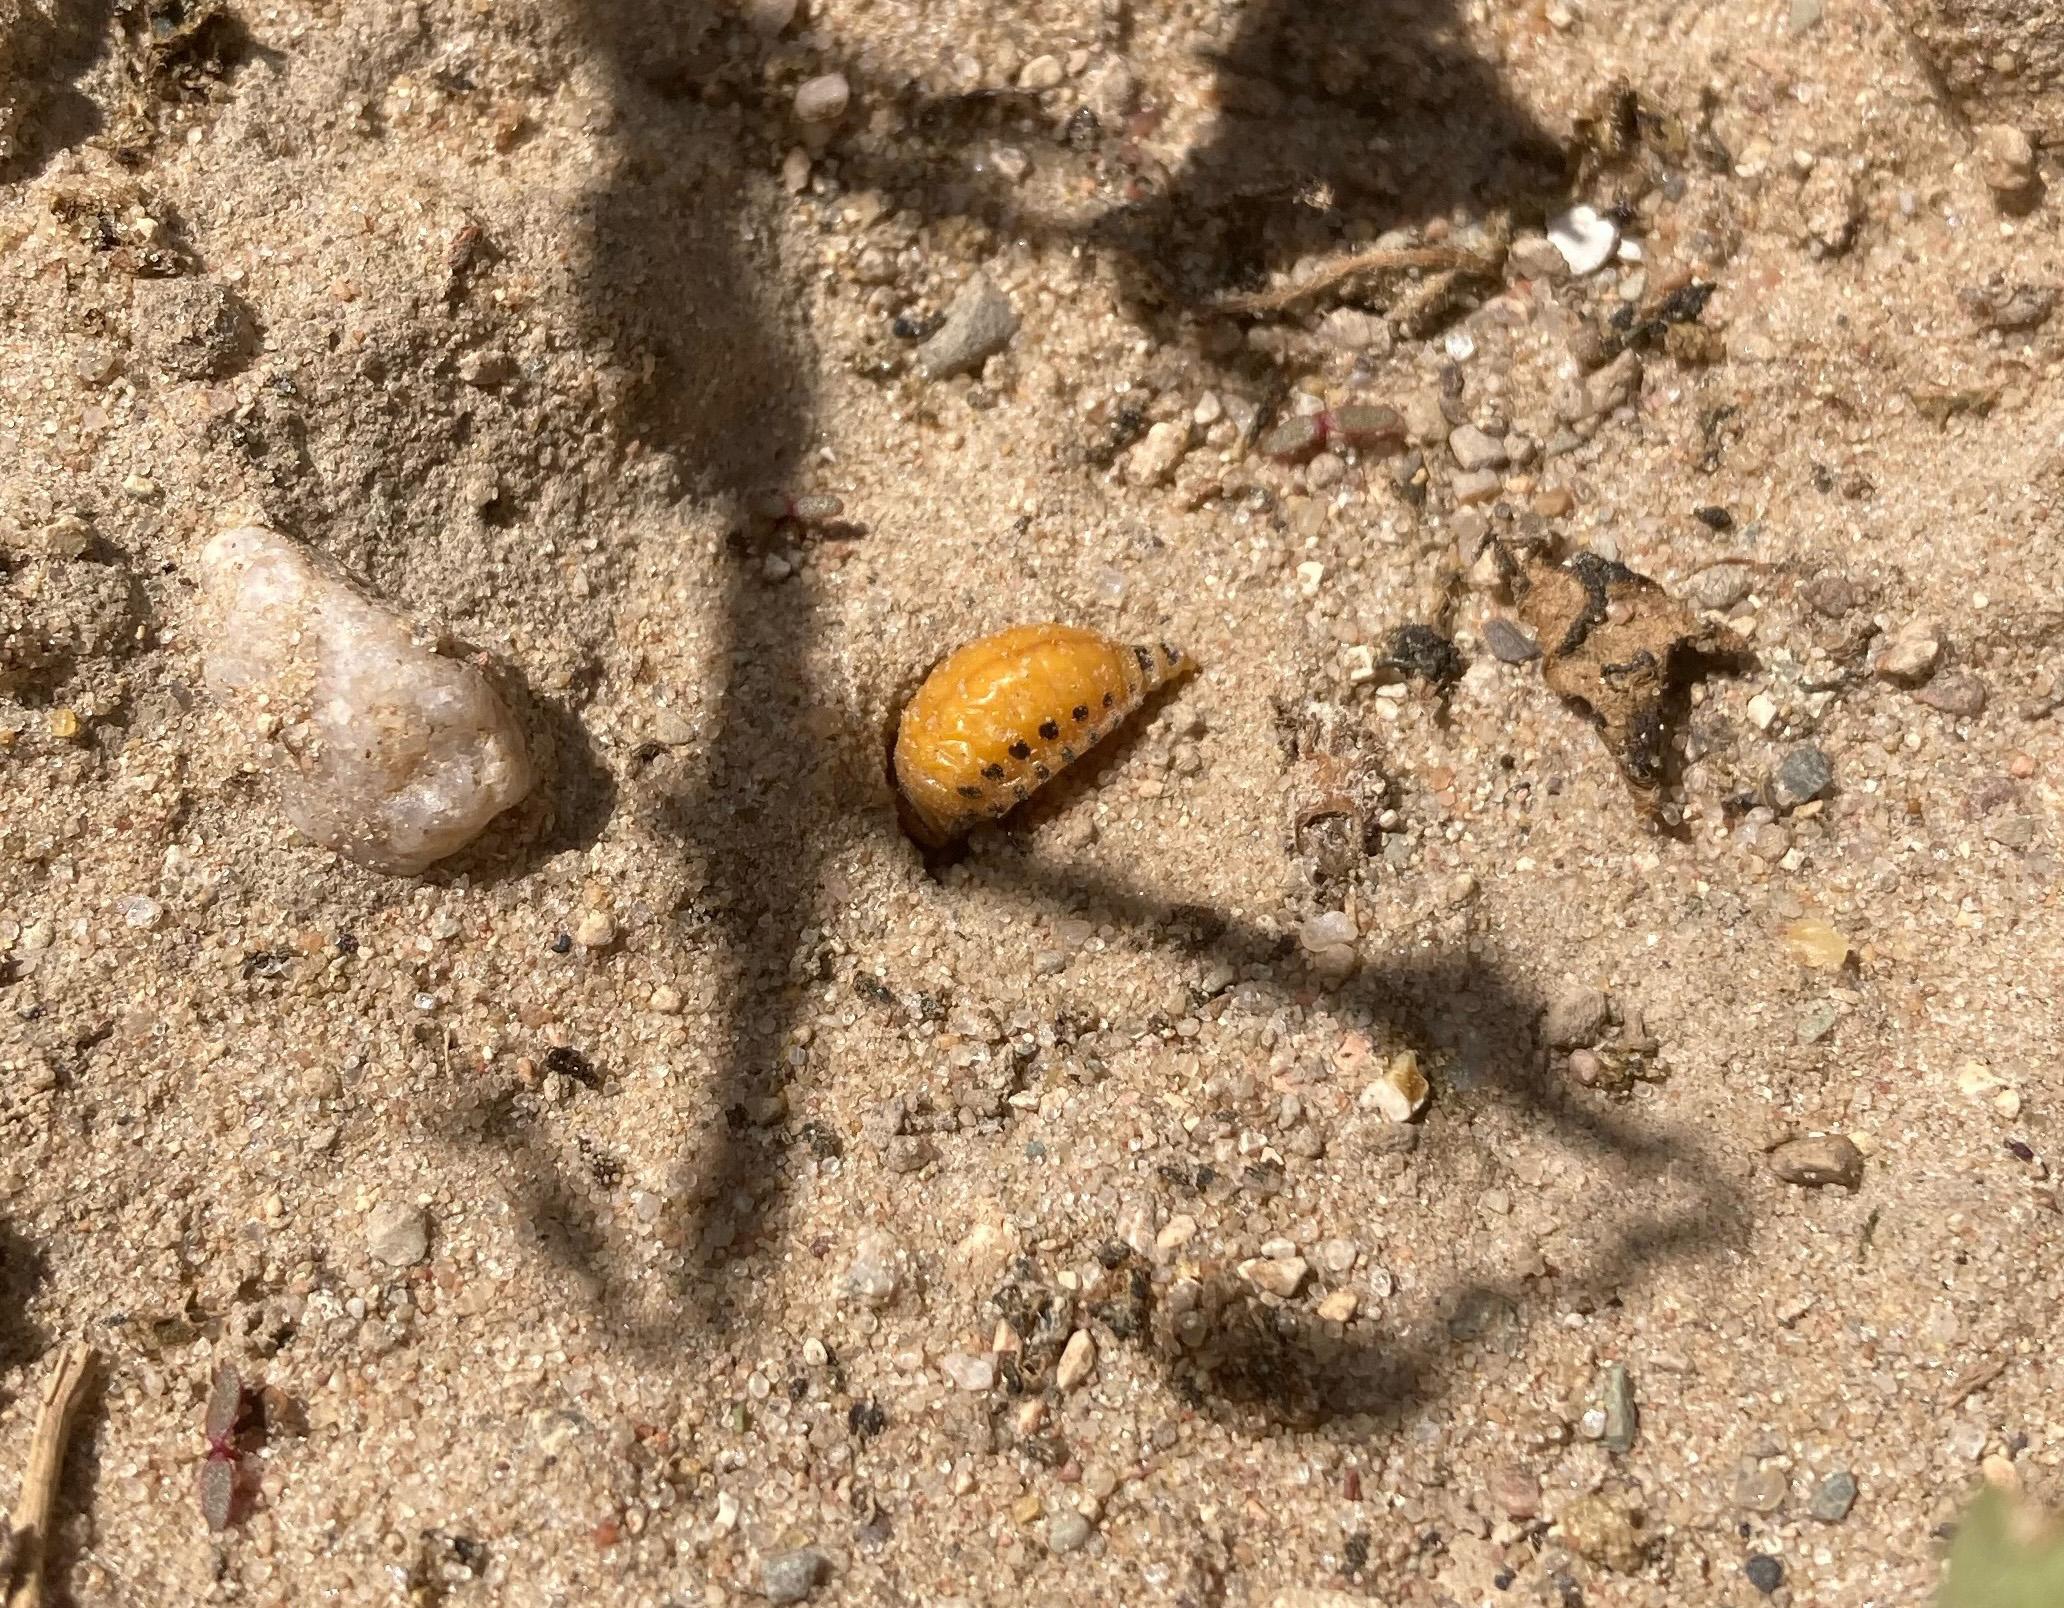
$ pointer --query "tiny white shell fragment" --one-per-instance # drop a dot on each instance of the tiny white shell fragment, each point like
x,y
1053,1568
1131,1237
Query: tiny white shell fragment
x,y
1586,239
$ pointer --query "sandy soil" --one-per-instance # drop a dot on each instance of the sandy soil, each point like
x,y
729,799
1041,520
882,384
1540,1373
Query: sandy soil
x,y
763,1225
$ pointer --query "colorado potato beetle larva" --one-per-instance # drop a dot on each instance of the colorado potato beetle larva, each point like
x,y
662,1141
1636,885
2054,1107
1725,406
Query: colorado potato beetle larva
x,y
1000,716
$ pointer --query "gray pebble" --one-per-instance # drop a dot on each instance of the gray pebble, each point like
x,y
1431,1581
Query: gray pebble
x,y
1508,641
792,1576
1812,1163
1816,1022
1577,1017
979,324
1066,1531
1833,1497
1833,595
398,1234
192,329
1805,773
1961,695
1621,1416
1721,586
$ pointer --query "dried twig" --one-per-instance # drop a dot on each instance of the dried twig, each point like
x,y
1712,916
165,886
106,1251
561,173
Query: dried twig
x,y
30,1520
1447,259
1975,1379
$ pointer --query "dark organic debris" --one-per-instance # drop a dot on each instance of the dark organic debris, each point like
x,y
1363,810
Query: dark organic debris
x,y
1425,655
570,1063
1620,646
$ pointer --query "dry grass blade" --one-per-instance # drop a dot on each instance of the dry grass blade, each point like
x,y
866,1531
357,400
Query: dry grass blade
x,y
1397,259
30,1520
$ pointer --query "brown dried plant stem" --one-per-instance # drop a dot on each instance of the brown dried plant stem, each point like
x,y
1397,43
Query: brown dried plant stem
x,y
32,1509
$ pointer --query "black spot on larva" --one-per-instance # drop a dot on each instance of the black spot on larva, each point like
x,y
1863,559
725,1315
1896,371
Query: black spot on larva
x,y
1108,700
1145,656
1041,772
1079,713
993,772
969,790
1049,729
1021,750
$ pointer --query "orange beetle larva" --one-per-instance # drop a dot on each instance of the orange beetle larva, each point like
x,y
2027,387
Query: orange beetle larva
x,y
1000,716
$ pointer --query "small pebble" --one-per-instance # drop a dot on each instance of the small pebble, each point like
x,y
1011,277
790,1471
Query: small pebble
x,y
595,930
1804,775
398,1234
1814,1163
1758,1489
823,99
972,1374
1576,1018
1280,1276
1960,694
1078,1361
1909,655
1621,1416
872,1275
1720,586
386,751
1833,1497
1475,449
793,1576
979,324
1328,930
2006,157
1765,1573
1066,1531
1400,1091
1153,462
1508,642
1040,74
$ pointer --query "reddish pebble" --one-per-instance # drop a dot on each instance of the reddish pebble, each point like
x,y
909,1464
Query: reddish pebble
x,y
2021,766
608,1533
1351,1485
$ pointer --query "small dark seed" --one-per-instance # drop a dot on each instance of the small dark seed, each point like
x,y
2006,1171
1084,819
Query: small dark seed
x,y
1714,518
2020,1150
561,944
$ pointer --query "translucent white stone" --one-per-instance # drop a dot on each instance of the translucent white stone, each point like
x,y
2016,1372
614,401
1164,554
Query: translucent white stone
x,y
386,751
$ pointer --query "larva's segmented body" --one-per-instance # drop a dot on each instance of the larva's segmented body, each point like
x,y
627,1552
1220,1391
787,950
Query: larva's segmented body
x,y
997,718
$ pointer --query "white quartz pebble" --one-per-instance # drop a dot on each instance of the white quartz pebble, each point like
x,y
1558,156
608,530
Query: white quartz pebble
x,y
386,751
